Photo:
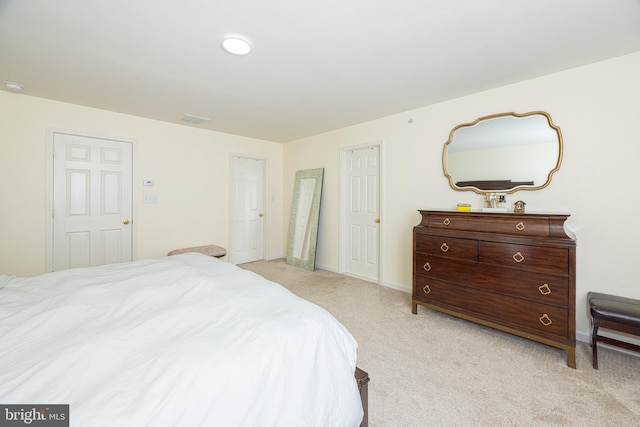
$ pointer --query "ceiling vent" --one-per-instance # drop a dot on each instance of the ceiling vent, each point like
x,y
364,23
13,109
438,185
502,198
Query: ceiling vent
x,y
194,119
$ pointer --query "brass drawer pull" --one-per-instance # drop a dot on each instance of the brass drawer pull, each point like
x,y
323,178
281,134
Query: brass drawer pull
x,y
444,247
518,257
426,289
545,320
544,289
426,266
520,226
446,221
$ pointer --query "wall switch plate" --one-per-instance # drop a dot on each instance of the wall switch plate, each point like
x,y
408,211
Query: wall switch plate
x,y
148,182
150,198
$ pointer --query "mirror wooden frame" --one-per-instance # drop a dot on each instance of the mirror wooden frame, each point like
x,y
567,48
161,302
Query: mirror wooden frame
x,y
305,214
500,186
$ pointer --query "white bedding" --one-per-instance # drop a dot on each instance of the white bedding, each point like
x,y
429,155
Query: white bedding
x,y
186,340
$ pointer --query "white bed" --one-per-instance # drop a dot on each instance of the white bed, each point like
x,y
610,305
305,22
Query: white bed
x,y
186,340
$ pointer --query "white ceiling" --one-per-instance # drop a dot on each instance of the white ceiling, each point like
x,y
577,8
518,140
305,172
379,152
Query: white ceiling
x,y
315,65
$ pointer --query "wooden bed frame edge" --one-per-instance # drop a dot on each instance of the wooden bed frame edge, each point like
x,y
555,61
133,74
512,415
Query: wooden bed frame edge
x,y
363,386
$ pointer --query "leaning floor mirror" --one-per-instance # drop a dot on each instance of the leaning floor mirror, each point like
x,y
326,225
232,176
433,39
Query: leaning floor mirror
x,y
305,212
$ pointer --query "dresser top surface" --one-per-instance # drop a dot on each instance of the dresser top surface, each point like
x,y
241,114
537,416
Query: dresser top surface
x,y
510,214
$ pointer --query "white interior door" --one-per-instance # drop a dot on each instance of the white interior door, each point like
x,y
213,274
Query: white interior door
x,y
362,216
246,240
92,201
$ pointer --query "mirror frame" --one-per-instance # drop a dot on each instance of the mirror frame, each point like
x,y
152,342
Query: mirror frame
x,y
311,227
517,186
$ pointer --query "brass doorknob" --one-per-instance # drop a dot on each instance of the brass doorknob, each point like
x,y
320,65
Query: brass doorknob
x,y
377,220
125,222
260,214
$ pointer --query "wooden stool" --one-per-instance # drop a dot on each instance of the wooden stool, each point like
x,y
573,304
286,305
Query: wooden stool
x,y
211,250
616,313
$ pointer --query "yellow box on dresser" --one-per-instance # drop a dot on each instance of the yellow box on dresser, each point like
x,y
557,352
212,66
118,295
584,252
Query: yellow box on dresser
x,y
513,272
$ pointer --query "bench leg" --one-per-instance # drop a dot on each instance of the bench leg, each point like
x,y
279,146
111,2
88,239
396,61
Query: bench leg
x,y
594,346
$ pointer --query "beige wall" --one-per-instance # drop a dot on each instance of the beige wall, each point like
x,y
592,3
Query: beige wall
x,y
597,108
190,167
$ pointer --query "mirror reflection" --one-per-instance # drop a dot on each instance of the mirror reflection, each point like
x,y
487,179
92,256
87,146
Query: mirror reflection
x,y
305,212
301,234
503,153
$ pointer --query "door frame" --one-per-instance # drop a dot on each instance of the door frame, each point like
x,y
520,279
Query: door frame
x,y
49,193
343,203
265,185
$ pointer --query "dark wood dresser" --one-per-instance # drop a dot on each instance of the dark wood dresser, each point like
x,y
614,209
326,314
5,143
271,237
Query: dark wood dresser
x,y
513,272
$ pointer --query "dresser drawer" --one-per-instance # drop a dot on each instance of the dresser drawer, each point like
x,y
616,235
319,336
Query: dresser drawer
x,y
517,225
511,312
449,247
449,269
531,258
539,287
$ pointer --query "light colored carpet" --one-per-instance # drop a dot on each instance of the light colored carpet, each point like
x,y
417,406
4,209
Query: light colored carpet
x,y
431,369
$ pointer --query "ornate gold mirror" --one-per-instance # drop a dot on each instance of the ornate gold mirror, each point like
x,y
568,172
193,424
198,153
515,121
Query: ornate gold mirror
x,y
503,153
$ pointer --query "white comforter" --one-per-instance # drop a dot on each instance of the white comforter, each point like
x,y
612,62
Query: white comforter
x,y
186,340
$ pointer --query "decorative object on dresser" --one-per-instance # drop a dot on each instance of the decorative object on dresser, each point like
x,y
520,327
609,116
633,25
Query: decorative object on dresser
x,y
615,313
512,272
519,207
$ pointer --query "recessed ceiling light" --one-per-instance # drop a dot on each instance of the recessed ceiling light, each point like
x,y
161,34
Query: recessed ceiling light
x,y
236,45
13,86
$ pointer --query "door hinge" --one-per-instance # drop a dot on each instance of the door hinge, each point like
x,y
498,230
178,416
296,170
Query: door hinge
x,y
53,213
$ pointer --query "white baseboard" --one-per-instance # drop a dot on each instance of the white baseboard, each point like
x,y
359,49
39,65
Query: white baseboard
x,y
397,287
326,267
583,337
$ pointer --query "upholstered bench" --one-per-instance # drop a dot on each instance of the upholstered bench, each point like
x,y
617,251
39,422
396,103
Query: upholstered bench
x,y
211,250
616,313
